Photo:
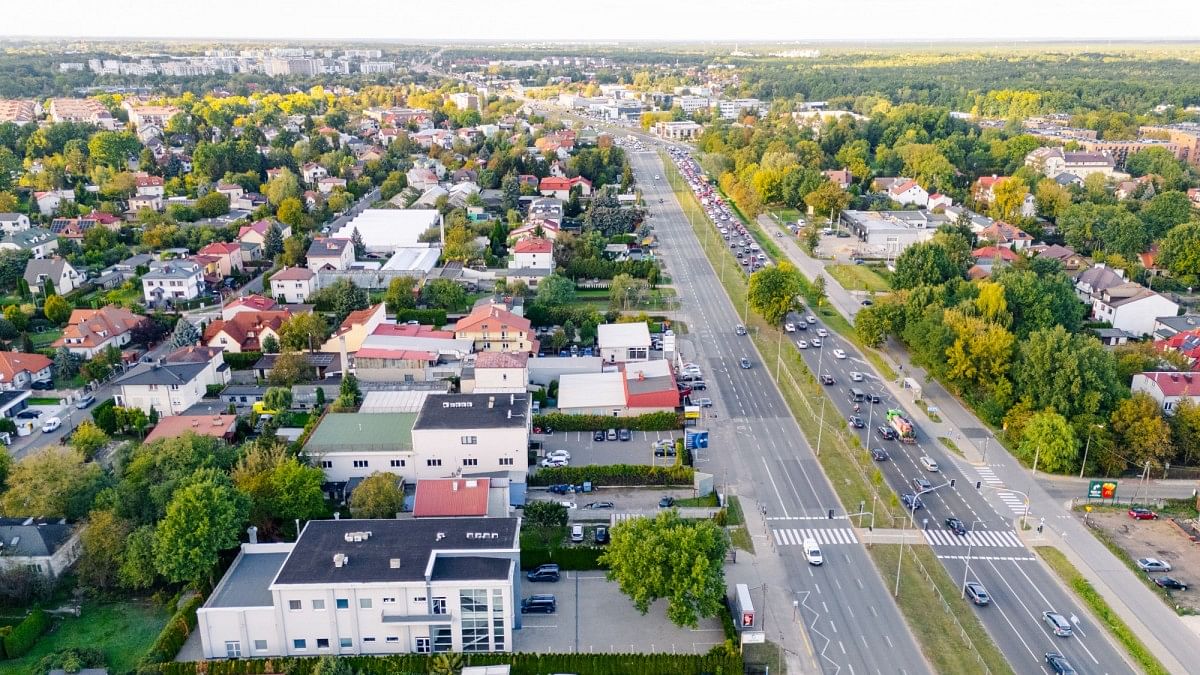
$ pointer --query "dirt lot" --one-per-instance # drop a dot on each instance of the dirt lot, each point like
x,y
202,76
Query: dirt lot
x,y
1156,539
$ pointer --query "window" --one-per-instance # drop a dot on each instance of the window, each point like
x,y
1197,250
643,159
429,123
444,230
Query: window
x,y
345,643
443,639
469,440
361,463
506,461
422,645
433,462
368,639
397,462
294,605
364,603
439,605
326,464
392,638
233,649
300,645
260,645
471,462
389,601
322,643
343,603
418,599
319,605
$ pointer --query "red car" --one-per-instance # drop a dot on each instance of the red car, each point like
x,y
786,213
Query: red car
x,y
1142,514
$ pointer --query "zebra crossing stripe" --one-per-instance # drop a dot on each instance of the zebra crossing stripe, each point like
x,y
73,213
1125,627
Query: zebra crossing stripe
x,y
796,537
982,538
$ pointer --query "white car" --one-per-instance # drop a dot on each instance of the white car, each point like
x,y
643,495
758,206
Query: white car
x,y
1146,564
569,504
553,462
816,342
789,327
801,344
51,424
821,332
855,376
559,454
811,319
839,354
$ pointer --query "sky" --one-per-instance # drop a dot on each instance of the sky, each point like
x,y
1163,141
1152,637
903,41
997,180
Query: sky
x,y
660,20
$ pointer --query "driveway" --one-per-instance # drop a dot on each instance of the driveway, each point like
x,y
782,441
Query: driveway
x,y
585,452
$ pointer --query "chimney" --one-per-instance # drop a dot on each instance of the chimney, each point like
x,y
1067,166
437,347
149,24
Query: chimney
x,y
342,352
510,414
340,560
252,534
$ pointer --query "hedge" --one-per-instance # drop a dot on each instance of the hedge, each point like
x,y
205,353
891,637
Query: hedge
x,y
427,317
656,421
613,474
521,663
174,634
25,634
568,558
242,360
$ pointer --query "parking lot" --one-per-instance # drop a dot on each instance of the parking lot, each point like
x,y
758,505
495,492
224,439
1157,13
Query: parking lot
x,y
585,451
1155,539
624,500
593,616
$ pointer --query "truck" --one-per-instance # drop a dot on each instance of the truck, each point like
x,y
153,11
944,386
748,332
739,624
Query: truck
x,y
904,428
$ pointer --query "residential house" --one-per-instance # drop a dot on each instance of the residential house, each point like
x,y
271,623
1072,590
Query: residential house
x,y
840,177
172,281
1166,326
908,192
1131,307
38,241
324,364
223,427
496,373
169,388
494,329
1100,276
938,200
149,186
537,228
312,172
622,342
421,179
370,587
293,285
245,331
355,328
58,272
18,371
1054,161
410,353
48,547
1009,236
1071,261
139,202
232,191
216,371
90,331
256,232
533,253
11,223
228,255
248,303
1168,389
330,253
49,201
1185,343
327,185
560,188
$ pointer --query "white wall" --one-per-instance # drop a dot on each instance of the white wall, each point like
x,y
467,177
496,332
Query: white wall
x,y
341,464
489,447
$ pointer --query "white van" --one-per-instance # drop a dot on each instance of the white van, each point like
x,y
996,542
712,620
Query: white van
x,y
812,552
929,464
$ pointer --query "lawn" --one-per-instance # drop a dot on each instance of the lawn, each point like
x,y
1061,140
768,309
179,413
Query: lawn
x,y
124,631
99,297
42,340
44,400
858,278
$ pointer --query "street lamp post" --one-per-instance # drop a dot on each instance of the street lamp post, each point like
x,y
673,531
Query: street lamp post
x,y
970,544
821,422
1036,454
1087,447
912,510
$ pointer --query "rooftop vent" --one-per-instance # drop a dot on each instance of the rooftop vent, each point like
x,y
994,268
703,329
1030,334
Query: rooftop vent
x,y
472,483
394,563
340,560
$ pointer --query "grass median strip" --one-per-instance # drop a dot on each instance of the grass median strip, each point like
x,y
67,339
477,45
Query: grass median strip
x,y
1117,628
953,640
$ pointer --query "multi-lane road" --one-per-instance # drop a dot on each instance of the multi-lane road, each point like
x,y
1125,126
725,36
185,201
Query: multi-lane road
x,y
844,606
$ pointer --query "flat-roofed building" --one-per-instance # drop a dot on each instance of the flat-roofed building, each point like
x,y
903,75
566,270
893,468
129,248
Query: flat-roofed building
x,y
890,232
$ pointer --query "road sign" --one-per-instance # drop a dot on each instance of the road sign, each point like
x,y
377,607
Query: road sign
x,y
693,439
1102,489
753,637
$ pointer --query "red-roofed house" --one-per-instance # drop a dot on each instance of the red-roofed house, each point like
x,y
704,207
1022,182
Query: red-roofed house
x,y
839,177
939,200
293,284
1186,343
561,187
90,331
496,330
256,232
497,373
1168,388
249,303
989,253
149,186
649,386
452,498
908,192
18,371
1009,236
216,426
245,331
541,228
984,189
228,255
533,253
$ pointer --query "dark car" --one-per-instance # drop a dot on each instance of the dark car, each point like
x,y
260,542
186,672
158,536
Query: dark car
x,y
666,502
1171,583
1058,663
827,379
29,414
977,593
857,422
547,572
601,535
911,502
886,433
956,525
560,489
539,604
598,436
879,454
599,505
624,435
42,385
875,398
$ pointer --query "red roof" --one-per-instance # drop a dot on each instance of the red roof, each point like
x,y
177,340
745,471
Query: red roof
x,y
500,360
256,302
147,181
246,328
533,245
220,248
1175,384
12,363
447,497
990,252
552,183
102,217
259,226
409,330
491,312
217,426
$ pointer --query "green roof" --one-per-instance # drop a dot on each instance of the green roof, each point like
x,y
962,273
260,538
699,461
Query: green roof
x,y
362,432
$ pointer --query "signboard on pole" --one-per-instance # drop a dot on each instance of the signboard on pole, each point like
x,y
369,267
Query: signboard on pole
x,y
695,438
753,637
1102,489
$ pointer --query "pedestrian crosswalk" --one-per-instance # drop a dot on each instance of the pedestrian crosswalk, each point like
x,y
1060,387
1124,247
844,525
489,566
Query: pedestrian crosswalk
x,y
1014,502
992,538
988,476
796,536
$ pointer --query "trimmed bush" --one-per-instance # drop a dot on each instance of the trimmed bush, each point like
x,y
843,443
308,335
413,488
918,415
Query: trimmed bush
x,y
613,474
25,634
568,558
657,421
242,360
174,634
427,317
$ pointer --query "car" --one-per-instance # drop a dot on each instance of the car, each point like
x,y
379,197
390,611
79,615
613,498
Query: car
x,y
51,424
802,326
740,329
552,462
1058,663
626,435
704,402
1058,623
856,422
1138,513
84,401
29,414
977,593
611,435
789,327
42,385
547,572
810,318
561,489
539,604
812,552
957,526
801,344
601,535
867,302
855,376
886,433
839,354
1148,564
879,454
816,342
875,398
827,379
911,501
922,484
930,465
821,332
684,390
569,504
666,502
698,385
561,454
576,534
598,436
1171,583
599,505
744,363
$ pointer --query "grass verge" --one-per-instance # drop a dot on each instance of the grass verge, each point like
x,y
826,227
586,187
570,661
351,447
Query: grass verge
x,y
943,636
124,631
858,278
951,445
1117,628
735,520
767,654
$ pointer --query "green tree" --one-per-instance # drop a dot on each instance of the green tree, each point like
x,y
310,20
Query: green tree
x,y
1164,211
626,292
669,557
827,199
923,264
349,395
270,344
928,166
1185,430
138,570
773,290
1050,439
57,310
54,482
377,496
203,519
1140,428
291,368
282,187
1051,198
88,439
444,294
545,520
18,318
291,212
272,242
1008,198
113,148
212,205
278,398
1179,251
332,665
102,545
184,335
400,294
279,486
303,332
360,247
1073,374
556,291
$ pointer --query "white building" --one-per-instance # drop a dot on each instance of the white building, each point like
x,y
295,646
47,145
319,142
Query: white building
x,y
621,342
1168,388
385,230
1131,307
890,232
13,222
169,388
331,253
48,547
172,281
293,285
370,587
731,109
678,131
497,373
532,253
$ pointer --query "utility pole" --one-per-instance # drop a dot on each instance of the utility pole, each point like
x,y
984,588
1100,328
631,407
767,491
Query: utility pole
x,y
1036,454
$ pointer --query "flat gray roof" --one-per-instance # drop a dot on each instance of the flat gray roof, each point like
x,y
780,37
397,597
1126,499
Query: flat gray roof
x,y
248,584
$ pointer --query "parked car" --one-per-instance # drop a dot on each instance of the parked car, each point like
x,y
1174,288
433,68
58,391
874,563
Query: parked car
x,y
550,462
977,593
611,435
569,504
1058,663
1171,583
561,489
547,572
42,385
879,454
1146,564
599,505
577,534
957,526
625,434
1138,513
598,436
51,424
1058,623
539,604
666,502
602,535
561,454
29,414
704,402
84,401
